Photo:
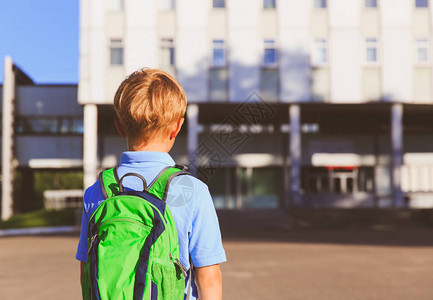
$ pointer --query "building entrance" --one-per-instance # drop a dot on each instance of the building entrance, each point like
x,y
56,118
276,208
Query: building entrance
x,y
338,186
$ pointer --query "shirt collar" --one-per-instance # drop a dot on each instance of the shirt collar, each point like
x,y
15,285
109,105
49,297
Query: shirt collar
x,y
146,156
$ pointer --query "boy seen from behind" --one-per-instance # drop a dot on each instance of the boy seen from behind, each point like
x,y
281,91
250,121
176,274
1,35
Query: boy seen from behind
x,y
150,106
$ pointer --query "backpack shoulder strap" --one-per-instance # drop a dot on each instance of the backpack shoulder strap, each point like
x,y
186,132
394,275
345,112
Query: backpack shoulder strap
x,y
159,186
109,181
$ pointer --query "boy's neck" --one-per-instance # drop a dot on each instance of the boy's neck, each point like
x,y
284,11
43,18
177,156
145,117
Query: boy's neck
x,y
154,147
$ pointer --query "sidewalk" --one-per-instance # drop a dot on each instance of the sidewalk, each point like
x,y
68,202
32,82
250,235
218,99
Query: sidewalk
x,y
302,264
331,264
38,231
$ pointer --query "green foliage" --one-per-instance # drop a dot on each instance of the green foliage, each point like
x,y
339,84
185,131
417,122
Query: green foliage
x,y
55,180
41,218
30,185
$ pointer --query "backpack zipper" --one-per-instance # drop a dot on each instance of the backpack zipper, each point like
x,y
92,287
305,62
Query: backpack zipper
x,y
95,236
114,220
92,242
176,261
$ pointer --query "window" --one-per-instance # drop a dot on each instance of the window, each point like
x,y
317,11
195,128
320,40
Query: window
x,y
371,50
268,3
115,5
71,126
167,53
166,5
270,53
218,3
116,52
77,126
65,125
218,78
269,84
218,53
370,3
319,3
62,125
421,3
320,52
422,50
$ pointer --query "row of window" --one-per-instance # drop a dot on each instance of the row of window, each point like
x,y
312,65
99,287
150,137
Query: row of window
x,y
270,57
118,5
418,3
168,54
64,125
164,5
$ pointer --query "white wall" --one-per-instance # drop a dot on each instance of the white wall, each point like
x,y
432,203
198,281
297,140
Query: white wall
x,y
191,63
345,66
141,41
344,51
342,19
84,52
245,48
192,48
344,14
397,49
93,52
294,59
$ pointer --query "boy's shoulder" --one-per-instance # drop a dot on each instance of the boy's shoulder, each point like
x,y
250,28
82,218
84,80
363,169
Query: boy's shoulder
x,y
192,179
93,196
183,188
186,189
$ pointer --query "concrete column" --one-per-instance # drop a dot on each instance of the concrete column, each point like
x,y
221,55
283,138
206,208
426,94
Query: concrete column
x,y
26,198
7,138
90,144
285,199
249,178
228,190
295,152
192,142
238,187
397,152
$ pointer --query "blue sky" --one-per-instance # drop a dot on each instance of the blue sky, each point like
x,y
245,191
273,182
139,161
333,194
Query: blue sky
x,y
41,36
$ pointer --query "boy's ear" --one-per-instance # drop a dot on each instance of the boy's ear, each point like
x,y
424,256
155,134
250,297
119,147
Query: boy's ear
x,y
119,127
177,126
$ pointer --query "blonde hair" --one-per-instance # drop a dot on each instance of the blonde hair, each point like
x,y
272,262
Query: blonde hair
x,y
147,102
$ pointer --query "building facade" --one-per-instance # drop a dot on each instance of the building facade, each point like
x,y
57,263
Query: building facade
x,y
42,140
341,90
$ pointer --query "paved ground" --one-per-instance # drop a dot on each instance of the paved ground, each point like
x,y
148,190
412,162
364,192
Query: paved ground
x,y
332,265
294,264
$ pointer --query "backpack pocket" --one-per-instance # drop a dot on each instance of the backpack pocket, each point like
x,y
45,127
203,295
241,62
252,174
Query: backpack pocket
x,y
168,279
113,258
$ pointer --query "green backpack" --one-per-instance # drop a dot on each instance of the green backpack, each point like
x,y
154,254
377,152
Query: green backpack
x,y
133,247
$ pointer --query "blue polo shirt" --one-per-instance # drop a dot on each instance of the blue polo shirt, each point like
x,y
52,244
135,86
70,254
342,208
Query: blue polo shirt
x,y
190,203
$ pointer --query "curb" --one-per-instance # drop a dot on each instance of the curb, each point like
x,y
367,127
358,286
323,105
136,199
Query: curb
x,y
38,230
